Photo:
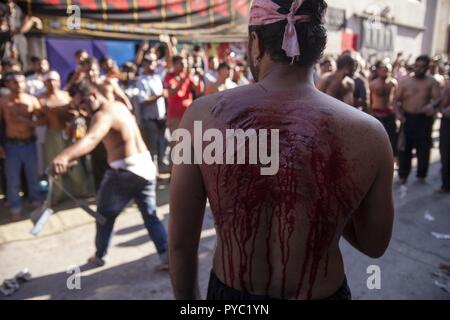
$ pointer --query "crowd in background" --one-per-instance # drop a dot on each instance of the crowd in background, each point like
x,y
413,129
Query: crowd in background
x,y
163,81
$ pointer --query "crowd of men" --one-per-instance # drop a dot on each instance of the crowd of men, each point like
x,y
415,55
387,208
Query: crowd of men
x,y
39,118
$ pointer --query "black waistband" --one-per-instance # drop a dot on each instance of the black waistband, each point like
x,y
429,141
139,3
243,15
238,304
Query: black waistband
x,y
417,115
20,141
217,290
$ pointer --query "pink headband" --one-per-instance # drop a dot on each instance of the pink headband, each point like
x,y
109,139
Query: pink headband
x,y
266,12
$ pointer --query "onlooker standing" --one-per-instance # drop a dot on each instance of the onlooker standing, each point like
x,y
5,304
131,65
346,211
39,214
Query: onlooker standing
x,y
416,102
152,112
20,112
181,87
36,87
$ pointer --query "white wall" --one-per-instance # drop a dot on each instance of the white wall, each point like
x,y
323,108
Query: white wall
x,y
405,12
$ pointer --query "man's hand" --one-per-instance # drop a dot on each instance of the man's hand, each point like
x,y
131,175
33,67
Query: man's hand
x,y
60,165
2,153
429,110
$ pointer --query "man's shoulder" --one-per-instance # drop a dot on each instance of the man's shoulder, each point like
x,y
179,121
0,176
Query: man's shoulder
x,y
199,106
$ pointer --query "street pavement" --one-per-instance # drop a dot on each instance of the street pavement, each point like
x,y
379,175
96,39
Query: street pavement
x,y
67,240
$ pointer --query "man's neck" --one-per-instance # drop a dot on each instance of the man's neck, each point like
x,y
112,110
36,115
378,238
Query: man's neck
x,y
282,76
16,95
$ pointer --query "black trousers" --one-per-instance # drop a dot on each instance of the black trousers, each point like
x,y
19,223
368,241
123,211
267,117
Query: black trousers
x,y
99,162
417,132
217,290
154,134
445,152
389,123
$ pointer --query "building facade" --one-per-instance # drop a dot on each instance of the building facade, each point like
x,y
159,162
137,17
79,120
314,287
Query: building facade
x,y
380,28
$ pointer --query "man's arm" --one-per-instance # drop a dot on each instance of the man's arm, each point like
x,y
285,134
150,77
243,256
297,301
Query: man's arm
x,y
100,126
445,103
323,83
174,88
147,97
349,97
187,208
121,96
397,102
370,228
2,130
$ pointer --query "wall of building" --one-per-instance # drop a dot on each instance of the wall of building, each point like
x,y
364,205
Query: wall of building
x,y
409,20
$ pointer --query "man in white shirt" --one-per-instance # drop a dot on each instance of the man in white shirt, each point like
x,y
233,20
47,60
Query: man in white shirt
x,y
152,111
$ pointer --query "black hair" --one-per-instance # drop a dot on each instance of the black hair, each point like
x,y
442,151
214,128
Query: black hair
x,y
90,61
3,10
104,59
9,63
312,35
82,87
79,52
346,60
425,58
12,74
176,59
224,65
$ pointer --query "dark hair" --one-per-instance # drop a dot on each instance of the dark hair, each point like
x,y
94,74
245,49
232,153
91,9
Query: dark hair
x,y
104,59
176,59
3,10
346,60
129,67
379,64
89,61
35,59
12,74
425,58
9,63
224,65
312,35
79,52
82,87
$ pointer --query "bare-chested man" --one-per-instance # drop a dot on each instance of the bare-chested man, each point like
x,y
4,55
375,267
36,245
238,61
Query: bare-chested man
x,y
382,93
55,105
340,84
132,173
416,104
21,113
111,90
278,236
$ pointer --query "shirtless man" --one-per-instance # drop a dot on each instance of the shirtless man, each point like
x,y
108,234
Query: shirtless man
x,y
112,92
278,236
382,93
340,84
223,82
21,113
416,104
132,173
55,105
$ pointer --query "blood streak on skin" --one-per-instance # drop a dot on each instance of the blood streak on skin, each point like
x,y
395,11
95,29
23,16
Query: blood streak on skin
x,y
245,203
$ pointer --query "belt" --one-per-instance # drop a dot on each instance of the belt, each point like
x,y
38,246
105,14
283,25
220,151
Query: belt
x,y
21,141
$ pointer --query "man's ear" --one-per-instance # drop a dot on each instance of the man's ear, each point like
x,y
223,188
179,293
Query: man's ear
x,y
257,47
